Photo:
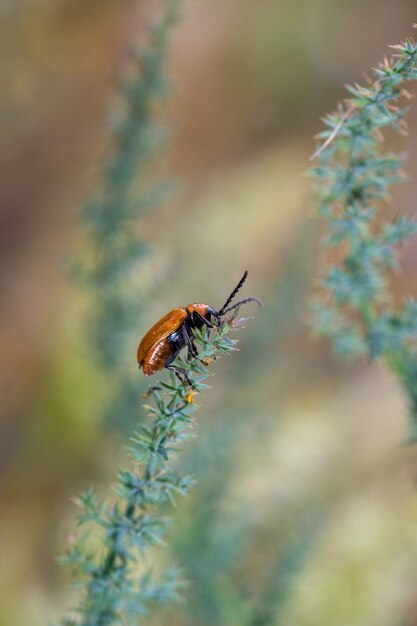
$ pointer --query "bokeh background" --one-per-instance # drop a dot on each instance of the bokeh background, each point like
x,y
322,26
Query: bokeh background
x,y
305,511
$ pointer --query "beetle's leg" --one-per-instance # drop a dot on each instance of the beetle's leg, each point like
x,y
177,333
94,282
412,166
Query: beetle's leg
x,y
181,375
200,319
189,342
194,347
150,391
180,339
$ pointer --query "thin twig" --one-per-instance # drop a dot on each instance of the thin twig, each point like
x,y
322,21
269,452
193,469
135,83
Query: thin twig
x,y
333,134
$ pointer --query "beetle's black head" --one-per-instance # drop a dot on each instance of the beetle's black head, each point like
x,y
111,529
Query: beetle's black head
x,y
213,316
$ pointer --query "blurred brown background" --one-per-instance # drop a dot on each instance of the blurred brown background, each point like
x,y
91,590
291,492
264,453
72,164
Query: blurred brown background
x,y
250,81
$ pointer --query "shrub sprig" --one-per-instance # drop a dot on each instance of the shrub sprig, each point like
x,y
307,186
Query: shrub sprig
x,y
116,579
354,176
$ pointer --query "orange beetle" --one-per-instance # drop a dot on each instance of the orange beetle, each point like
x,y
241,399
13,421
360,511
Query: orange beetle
x,y
163,342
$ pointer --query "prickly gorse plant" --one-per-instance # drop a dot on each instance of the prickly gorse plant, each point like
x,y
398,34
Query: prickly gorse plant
x,y
115,578
354,176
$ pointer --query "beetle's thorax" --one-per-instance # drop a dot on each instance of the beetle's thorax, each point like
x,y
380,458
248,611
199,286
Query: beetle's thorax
x,y
199,308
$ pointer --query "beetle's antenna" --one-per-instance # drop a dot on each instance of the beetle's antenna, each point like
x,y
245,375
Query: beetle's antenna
x,y
234,292
235,306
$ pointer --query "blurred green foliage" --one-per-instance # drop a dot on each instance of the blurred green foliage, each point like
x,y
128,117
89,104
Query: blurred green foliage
x,y
115,248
